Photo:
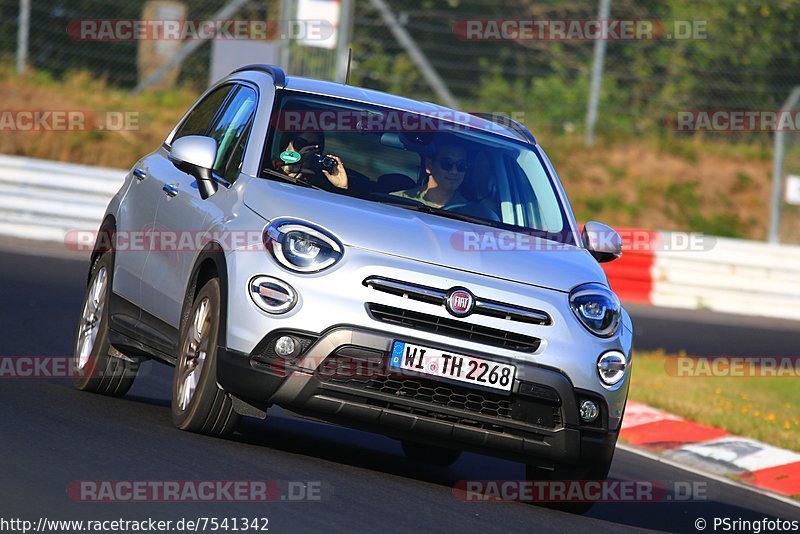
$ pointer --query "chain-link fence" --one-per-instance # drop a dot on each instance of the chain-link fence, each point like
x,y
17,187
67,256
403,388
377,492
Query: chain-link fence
x,y
733,55
56,45
702,55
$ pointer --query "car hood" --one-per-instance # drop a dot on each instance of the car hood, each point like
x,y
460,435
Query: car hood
x,y
428,238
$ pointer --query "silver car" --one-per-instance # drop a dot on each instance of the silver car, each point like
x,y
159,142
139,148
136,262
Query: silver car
x,y
379,262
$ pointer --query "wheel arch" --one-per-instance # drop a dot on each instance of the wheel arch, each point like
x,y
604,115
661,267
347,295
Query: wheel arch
x,y
104,242
210,263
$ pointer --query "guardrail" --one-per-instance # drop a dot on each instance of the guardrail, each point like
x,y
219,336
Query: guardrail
x,y
735,276
719,274
44,200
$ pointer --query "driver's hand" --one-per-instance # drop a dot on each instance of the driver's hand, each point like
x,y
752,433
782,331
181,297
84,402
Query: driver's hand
x,y
339,176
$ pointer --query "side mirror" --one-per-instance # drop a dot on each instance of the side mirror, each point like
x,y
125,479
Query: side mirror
x,y
195,155
601,241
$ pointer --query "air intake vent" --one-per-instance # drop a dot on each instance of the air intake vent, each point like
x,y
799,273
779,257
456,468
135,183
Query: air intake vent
x,y
454,328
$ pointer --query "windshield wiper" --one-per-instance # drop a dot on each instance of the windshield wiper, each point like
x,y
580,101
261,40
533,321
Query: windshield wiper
x,y
466,218
424,208
296,181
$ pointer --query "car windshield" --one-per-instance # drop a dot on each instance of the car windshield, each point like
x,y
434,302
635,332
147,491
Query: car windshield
x,y
415,162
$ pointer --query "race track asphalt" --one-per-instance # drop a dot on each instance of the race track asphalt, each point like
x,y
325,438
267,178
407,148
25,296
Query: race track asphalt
x,y
52,435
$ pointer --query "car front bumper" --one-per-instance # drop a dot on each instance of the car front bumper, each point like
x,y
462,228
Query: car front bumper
x,y
341,376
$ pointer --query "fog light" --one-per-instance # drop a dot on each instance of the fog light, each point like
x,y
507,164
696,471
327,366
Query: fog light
x,y
589,411
284,346
611,367
272,295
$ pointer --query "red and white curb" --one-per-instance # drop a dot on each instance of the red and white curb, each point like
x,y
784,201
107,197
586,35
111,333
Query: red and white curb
x,y
711,450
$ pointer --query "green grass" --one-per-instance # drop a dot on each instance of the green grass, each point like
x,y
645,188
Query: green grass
x,y
762,408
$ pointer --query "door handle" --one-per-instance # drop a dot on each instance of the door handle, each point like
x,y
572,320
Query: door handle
x,y
170,190
140,174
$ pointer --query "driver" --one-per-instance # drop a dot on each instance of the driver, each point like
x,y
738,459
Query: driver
x,y
305,146
445,174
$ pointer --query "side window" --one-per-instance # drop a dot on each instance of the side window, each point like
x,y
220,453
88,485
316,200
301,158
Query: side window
x,y
230,132
537,196
200,119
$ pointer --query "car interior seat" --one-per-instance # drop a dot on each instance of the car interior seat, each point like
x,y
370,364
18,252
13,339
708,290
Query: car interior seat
x,y
394,181
479,186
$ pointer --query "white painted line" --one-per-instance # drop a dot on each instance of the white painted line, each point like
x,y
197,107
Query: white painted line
x,y
710,476
746,454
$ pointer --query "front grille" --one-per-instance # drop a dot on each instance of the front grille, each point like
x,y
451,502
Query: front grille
x,y
453,328
338,369
433,295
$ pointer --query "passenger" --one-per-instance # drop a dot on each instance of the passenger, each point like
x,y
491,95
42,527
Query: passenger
x,y
309,147
445,174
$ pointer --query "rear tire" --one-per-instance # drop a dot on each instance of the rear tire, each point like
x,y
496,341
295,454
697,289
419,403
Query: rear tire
x,y
198,403
95,370
430,454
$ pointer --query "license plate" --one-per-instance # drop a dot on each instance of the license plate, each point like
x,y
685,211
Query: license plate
x,y
441,364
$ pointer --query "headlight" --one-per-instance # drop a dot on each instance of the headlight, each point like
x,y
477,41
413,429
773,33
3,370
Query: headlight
x,y
597,308
301,247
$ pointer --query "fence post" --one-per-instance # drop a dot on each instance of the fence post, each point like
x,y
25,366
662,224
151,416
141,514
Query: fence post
x,y
597,75
777,171
23,32
227,11
287,17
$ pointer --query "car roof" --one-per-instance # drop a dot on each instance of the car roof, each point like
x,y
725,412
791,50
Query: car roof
x,y
371,96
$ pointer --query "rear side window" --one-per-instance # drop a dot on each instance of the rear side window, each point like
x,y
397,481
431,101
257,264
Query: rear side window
x,y
201,117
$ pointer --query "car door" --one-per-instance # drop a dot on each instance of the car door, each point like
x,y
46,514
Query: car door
x,y
135,219
182,211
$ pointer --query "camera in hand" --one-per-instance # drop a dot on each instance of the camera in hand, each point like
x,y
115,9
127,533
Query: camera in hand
x,y
320,162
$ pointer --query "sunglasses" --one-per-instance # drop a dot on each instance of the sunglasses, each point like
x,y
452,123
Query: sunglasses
x,y
300,143
447,164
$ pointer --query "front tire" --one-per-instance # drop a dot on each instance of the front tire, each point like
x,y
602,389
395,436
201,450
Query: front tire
x,y
198,403
95,370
